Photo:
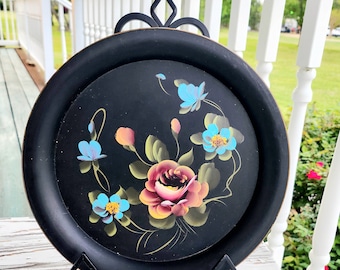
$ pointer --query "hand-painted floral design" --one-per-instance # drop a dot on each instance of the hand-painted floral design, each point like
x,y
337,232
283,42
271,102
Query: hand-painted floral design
x,y
172,189
90,151
218,140
107,208
125,136
177,191
192,96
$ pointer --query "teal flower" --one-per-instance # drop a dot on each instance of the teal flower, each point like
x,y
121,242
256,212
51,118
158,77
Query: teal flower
x,y
90,151
219,141
192,96
107,208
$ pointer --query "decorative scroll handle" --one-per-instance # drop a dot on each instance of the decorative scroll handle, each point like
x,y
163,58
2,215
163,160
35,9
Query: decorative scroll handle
x,y
154,21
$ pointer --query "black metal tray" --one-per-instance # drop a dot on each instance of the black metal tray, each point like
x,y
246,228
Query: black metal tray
x,y
155,149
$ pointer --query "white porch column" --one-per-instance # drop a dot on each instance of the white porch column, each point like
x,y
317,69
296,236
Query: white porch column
x,y
310,52
269,36
238,26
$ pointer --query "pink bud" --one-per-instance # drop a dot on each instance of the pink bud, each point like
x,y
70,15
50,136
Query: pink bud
x,y
175,125
125,136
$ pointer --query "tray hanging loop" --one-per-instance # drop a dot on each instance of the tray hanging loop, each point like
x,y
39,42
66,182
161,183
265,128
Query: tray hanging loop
x,y
154,21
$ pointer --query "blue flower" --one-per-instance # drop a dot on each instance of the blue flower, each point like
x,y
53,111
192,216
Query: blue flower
x,y
107,208
161,76
219,141
90,151
192,96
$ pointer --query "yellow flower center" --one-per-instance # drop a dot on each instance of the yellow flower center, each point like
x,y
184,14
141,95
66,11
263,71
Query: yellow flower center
x,y
218,140
112,208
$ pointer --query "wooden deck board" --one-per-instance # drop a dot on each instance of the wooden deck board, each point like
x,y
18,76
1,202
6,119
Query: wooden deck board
x,y
15,108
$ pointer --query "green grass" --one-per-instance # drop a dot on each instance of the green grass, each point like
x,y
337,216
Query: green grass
x,y
326,86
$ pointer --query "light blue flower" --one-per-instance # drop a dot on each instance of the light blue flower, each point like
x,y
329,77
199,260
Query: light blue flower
x,y
90,151
191,95
161,76
107,208
219,141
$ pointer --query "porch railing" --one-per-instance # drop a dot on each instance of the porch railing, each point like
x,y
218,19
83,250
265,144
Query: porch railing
x,y
8,30
94,19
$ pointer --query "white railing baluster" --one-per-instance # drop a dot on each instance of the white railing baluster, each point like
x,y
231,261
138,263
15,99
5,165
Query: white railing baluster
x,y
161,11
135,7
192,10
62,31
212,18
4,3
102,21
108,17
178,4
117,9
13,28
91,21
238,26
145,9
311,45
96,10
125,9
269,36
327,221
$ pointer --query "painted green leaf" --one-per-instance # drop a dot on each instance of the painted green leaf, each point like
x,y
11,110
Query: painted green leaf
x,y
208,173
197,138
221,121
160,151
85,166
138,169
210,156
110,229
125,221
187,159
180,81
237,134
209,119
184,110
94,218
133,196
195,217
226,156
149,147
164,224
122,193
93,195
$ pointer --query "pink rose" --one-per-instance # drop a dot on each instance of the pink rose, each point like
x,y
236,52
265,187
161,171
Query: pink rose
x,y
172,189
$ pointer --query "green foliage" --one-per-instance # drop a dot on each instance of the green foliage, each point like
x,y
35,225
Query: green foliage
x,y
319,138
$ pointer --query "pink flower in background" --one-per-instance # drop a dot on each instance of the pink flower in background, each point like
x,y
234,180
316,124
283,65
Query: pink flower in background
x,y
326,267
319,164
313,175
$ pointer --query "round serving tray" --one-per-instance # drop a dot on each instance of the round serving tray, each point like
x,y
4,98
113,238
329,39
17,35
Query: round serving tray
x,y
154,149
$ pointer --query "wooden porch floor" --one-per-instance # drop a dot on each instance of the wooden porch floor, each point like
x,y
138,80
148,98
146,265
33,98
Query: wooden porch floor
x,y
22,243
